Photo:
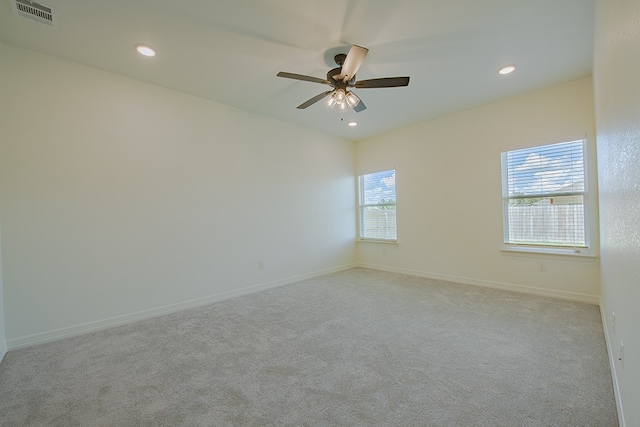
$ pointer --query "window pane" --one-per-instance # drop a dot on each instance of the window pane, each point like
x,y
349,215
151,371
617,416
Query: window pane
x,y
555,221
554,168
378,222
379,187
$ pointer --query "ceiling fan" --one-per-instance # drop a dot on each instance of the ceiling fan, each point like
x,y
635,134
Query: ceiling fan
x,y
344,77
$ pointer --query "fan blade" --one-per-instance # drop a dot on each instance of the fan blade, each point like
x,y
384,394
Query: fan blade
x,y
360,107
352,62
383,82
304,78
313,100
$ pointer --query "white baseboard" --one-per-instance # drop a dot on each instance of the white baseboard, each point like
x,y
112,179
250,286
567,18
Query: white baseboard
x,y
572,296
3,350
97,325
612,363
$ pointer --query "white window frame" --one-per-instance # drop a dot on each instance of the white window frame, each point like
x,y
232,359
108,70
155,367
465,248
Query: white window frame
x,y
539,248
362,206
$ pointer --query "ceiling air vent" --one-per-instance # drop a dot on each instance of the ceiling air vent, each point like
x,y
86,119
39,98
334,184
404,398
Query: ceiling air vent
x,y
35,11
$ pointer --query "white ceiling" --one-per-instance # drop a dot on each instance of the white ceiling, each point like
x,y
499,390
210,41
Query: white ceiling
x,y
230,51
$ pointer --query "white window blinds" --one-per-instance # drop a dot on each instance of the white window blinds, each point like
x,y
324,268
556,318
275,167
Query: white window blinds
x,y
544,195
377,205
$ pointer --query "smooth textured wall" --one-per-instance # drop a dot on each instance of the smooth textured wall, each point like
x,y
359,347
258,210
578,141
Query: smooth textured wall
x,y
120,197
449,189
3,341
617,93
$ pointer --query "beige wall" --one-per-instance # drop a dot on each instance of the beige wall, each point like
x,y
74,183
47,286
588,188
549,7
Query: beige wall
x,y
617,92
3,342
449,185
120,198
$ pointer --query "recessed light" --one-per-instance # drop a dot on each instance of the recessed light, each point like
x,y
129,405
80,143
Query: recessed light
x,y
352,124
507,69
145,50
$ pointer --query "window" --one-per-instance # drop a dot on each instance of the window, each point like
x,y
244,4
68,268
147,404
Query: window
x,y
544,196
377,206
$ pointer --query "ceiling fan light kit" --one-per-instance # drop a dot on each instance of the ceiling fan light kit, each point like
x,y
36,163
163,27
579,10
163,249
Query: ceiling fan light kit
x,y
341,99
352,99
344,77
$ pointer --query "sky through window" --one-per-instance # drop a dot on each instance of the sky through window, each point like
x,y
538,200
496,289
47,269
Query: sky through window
x,y
379,187
546,169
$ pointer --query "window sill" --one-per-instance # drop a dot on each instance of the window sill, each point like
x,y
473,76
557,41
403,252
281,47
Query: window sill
x,y
378,242
578,254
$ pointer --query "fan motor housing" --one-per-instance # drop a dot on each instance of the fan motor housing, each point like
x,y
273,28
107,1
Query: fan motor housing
x,y
338,83
333,72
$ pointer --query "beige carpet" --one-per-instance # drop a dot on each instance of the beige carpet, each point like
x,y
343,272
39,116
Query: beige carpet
x,y
356,348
